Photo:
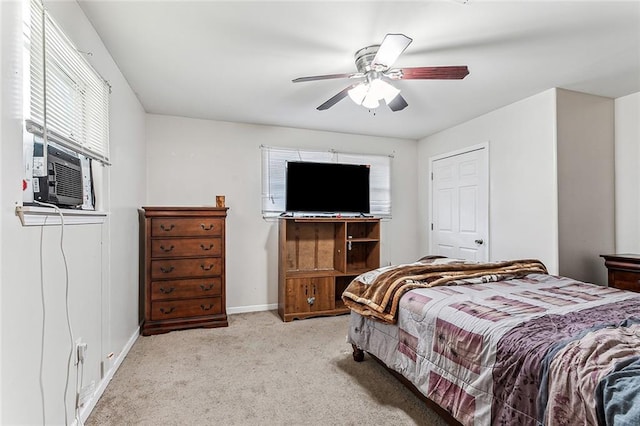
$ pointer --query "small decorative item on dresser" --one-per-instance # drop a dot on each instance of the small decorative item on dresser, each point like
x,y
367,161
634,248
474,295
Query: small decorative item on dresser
x,y
220,201
624,270
182,268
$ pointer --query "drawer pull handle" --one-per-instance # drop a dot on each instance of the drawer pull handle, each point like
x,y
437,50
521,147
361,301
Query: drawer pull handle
x,y
206,308
202,246
168,228
206,268
209,287
167,290
168,311
166,271
206,228
167,249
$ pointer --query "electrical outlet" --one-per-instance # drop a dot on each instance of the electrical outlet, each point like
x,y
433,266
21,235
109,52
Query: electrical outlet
x,y
80,352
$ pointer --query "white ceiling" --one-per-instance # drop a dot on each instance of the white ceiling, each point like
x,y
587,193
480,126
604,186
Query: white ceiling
x,y
234,60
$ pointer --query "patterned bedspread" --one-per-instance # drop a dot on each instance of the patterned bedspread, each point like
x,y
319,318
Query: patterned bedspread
x,y
534,350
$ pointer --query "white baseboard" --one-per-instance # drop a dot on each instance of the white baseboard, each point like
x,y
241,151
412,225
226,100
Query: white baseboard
x,y
252,308
90,404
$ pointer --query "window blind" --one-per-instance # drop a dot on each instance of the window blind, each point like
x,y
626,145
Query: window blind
x,y
274,162
69,101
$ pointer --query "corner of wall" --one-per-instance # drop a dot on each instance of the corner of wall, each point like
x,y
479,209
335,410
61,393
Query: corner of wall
x,y
585,164
627,173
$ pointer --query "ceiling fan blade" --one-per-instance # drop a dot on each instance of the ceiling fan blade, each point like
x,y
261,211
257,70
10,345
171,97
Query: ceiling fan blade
x,y
336,98
398,103
430,73
392,46
328,77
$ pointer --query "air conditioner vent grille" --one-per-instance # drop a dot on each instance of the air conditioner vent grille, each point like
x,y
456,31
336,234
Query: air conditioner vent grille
x,y
68,181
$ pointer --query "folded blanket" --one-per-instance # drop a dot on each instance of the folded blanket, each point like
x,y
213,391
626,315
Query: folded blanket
x,y
377,293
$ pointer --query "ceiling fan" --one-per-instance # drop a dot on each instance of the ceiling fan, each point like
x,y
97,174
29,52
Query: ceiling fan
x,y
374,73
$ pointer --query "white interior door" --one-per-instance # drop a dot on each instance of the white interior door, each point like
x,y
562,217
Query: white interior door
x,y
460,205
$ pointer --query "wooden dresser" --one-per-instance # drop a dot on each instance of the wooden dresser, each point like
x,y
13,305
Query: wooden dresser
x,y
624,270
182,268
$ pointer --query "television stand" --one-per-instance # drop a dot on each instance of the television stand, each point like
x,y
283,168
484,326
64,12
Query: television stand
x,y
318,258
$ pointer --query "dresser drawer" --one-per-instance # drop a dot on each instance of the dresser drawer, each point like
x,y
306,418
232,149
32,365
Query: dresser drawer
x,y
167,247
186,268
186,289
625,280
186,227
185,308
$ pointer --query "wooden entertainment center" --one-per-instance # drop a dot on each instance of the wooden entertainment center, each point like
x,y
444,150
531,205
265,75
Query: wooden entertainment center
x,y
318,258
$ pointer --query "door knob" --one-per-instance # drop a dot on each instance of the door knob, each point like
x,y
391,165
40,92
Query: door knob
x,y
479,242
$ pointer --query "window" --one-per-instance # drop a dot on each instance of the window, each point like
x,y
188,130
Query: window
x,y
274,174
66,108
68,102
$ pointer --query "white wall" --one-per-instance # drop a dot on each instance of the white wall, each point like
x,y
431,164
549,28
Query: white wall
x,y
191,161
522,178
102,259
627,175
551,179
585,184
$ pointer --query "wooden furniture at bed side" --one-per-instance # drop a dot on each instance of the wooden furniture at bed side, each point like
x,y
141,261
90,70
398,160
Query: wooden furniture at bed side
x,y
623,270
318,258
182,268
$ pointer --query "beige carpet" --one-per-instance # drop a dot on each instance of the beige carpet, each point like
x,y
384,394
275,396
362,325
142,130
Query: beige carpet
x,y
257,371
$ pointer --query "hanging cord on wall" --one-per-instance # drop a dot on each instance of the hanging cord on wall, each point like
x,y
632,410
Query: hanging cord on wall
x,y
42,301
66,274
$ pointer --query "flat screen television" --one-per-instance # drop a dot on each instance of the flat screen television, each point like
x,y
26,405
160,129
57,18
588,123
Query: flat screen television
x,y
327,187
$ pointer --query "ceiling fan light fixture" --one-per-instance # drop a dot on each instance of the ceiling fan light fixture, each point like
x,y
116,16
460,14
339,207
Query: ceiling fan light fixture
x,y
370,94
384,90
358,93
370,102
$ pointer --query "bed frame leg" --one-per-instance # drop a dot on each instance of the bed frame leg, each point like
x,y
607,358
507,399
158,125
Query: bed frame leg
x,y
358,354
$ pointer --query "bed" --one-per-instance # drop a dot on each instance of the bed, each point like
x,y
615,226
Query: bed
x,y
502,342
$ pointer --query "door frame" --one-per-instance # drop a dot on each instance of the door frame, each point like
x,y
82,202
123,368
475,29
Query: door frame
x,y
465,150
